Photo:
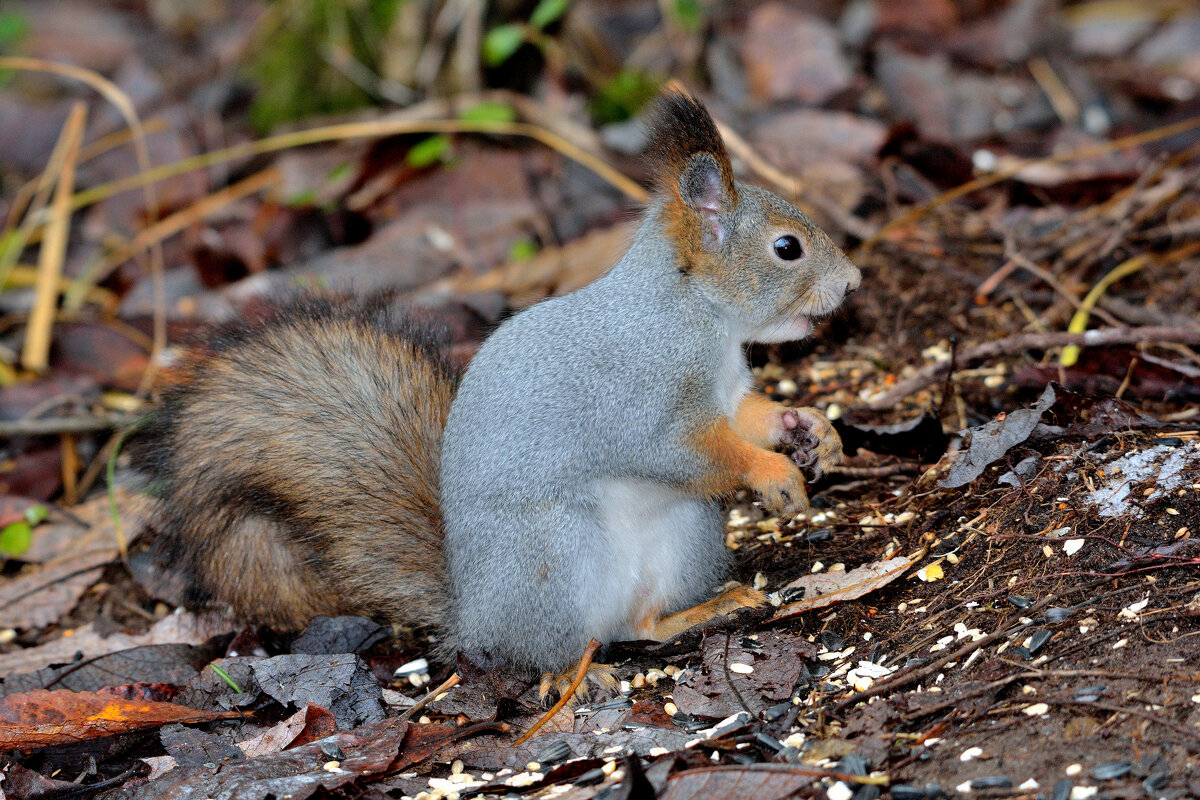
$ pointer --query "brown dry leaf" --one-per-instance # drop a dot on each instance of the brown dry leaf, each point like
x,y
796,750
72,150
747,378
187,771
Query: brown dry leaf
x,y
827,588
87,643
757,780
40,596
43,718
305,726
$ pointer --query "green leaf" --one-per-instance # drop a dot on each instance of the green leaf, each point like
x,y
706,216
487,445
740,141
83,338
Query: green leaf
x,y
547,11
501,42
624,96
522,250
13,28
35,514
428,152
689,14
489,112
15,539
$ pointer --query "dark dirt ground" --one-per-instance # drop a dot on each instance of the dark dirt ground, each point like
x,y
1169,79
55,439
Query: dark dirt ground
x,y
1040,640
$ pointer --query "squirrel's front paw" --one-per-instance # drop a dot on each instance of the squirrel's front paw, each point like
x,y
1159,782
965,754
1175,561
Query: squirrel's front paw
x,y
780,483
817,444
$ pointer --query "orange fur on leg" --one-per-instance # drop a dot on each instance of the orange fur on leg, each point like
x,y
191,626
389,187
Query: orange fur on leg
x,y
736,462
725,603
759,421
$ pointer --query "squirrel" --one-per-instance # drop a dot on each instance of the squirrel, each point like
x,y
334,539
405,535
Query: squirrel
x,y
567,487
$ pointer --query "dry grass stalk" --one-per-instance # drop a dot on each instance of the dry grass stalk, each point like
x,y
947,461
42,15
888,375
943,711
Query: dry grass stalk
x,y
35,352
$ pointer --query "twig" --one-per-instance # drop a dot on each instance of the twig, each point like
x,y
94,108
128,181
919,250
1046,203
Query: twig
x,y
1035,341
992,178
444,686
53,426
906,677
580,673
365,130
880,471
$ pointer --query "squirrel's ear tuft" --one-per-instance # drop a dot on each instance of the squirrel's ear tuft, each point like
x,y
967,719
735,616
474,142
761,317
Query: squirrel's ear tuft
x,y
687,153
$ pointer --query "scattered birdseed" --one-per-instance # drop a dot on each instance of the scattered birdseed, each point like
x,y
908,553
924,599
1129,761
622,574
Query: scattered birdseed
x,y
1029,785
931,573
1062,790
1072,546
1117,645
839,791
415,667
971,753
740,668
670,709
992,782
1111,770
1073,769
332,766
817,567
524,779
1131,611
1036,710
1083,792
963,787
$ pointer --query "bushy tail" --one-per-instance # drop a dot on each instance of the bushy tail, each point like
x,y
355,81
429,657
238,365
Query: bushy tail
x,y
296,468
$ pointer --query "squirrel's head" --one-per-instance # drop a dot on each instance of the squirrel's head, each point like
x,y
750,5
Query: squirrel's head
x,y
756,253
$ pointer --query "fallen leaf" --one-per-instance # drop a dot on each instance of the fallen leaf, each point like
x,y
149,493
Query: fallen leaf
x,y
304,727
297,773
41,718
827,588
722,687
342,683
758,780
41,595
88,643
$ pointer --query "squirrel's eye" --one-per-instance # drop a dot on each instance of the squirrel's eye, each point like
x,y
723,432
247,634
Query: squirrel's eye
x,y
788,248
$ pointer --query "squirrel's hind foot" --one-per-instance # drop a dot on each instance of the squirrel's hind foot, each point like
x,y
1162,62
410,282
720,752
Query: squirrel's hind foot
x,y
603,675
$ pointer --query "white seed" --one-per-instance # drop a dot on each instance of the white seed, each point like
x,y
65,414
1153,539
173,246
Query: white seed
x,y
1072,546
671,709
1073,769
971,753
839,791
740,668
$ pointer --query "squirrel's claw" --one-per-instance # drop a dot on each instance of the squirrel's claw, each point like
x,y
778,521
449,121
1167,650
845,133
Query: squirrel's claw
x,y
602,675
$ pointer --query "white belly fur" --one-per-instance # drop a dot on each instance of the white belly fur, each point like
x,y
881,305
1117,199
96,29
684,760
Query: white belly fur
x,y
648,525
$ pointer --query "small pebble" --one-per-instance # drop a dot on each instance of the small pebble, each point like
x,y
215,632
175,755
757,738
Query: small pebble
x,y
1111,770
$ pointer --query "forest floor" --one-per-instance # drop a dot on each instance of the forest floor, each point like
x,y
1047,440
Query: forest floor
x,y
995,596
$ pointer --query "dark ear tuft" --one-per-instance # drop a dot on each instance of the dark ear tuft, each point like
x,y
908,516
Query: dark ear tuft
x,y
680,130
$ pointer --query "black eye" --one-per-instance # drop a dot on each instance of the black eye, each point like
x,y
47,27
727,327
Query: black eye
x,y
788,248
